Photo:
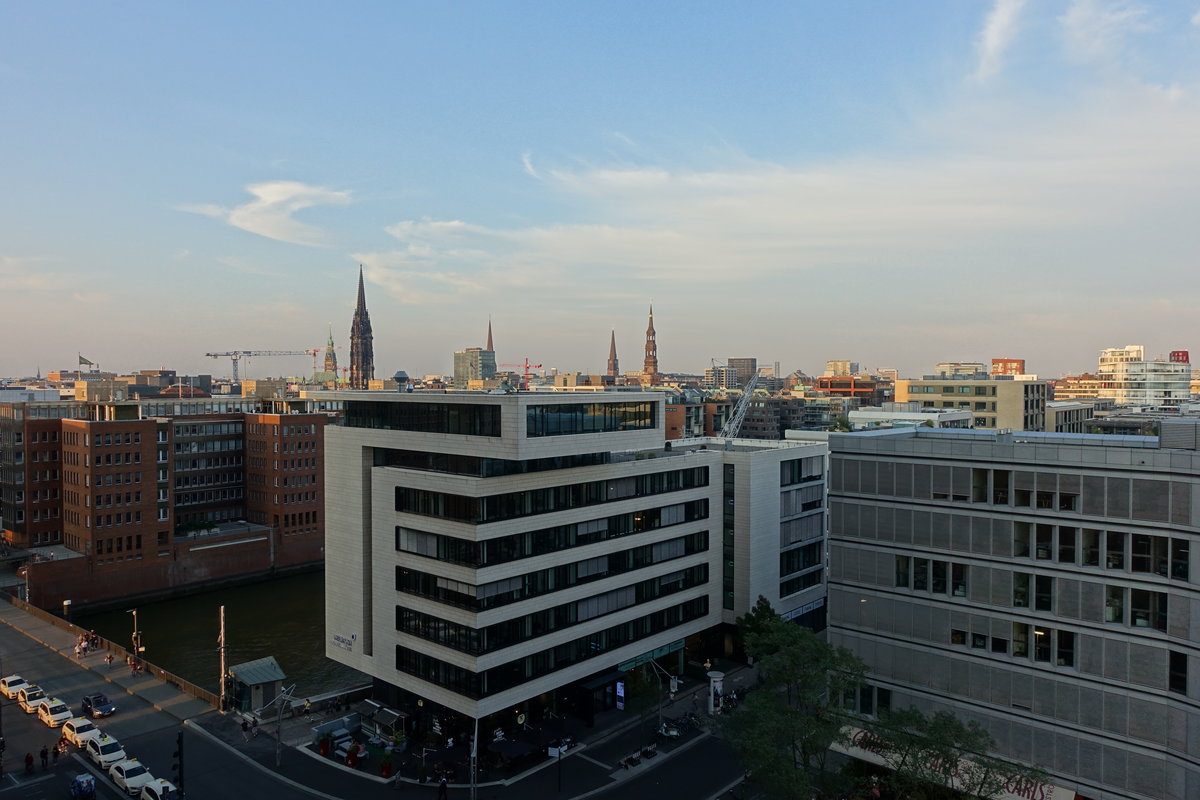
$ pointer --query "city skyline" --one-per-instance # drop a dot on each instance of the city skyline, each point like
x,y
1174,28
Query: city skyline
x,y
942,181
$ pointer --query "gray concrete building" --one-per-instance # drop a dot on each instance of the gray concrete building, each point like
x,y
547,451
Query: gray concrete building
x,y
1037,583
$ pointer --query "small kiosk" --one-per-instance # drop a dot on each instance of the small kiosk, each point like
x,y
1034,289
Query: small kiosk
x,y
256,683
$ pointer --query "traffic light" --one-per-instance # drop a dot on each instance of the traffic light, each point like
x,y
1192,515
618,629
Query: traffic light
x,y
177,764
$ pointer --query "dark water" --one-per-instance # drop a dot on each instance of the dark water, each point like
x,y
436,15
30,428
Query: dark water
x,y
282,617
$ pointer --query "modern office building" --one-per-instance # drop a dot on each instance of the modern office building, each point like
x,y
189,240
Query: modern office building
x,y
473,364
965,369
841,368
720,378
744,368
496,552
1129,378
996,402
1069,416
1037,583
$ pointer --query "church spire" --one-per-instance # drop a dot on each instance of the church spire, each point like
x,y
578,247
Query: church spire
x,y
331,356
613,368
650,365
489,342
362,349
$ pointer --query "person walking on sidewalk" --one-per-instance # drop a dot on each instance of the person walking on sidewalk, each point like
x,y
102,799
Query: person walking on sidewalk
x,y
443,788
245,730
45,757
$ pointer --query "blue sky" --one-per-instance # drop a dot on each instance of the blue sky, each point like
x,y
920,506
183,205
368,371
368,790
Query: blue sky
x,y
894,183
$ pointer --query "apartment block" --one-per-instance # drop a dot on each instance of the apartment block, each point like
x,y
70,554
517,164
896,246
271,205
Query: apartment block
x,y
995,402
1039,584
1128,377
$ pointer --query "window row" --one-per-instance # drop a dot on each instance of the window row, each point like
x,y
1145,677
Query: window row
x,y
801,470
506,676
545,581
800,558
110,439
513,505
1047,645
450,418
504,549
477,641
931,575
1147,609
800,583
481,467
1090,547
574,418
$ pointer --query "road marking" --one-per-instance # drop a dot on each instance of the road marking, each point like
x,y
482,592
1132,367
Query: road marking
x,y
586,757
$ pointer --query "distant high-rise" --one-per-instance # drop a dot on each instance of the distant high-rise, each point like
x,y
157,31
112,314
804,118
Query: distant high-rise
x,y
613,366
746,368
840,368
362,349
650,365
490,346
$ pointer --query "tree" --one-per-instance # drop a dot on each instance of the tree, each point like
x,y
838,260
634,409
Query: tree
x,y
785,729
940,755
642,694
842,423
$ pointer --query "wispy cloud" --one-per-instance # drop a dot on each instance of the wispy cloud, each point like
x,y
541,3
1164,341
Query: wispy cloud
x,y
30,273
270,213
527,162
998,32
995,176
1096,30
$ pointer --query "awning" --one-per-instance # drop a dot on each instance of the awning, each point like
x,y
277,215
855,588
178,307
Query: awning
x,y
606,678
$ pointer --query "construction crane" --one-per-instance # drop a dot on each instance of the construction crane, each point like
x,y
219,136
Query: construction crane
x,y
525,373
237,355
733,425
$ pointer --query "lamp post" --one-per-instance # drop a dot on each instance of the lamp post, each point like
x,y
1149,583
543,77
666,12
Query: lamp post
x,y
136,638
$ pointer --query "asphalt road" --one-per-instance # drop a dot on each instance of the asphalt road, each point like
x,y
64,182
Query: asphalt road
x,y
210,772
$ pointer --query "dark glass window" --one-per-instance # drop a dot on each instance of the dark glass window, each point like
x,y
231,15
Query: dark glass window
x,y
1066,649
1043,595
800,583
800,558
481,467
514,673
1179,559
1041,644
513,505
575,418
903,568
453,418
1177,678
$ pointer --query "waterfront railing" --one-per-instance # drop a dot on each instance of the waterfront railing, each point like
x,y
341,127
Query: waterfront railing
x,y
182,685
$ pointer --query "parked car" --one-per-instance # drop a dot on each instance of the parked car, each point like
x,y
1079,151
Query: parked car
x,y
30,697
54,712
104,751
11,685
77,731
130,776
160,789
96,706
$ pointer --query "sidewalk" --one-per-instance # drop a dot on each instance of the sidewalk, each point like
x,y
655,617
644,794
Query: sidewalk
x,y
159,693
590,768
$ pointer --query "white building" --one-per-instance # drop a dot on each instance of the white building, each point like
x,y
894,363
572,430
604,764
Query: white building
x,y
1129,378
491,552
908,415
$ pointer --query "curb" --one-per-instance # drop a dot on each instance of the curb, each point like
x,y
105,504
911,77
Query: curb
x,y
254,763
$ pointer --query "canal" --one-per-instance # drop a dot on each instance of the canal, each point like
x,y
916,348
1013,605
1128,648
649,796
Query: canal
x,y
281,617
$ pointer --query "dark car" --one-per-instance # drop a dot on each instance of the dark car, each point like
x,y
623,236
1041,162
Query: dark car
x,y
97,705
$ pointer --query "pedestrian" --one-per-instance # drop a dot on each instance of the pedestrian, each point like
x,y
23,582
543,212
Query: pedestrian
x,y
254,727
245,730
108,659
29,763
695,701
77,649
54,756
45,757
307,707
132,668
443,788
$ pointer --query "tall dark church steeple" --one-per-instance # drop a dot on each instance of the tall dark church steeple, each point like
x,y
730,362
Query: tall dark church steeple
x,y
613,368
362,348
650,365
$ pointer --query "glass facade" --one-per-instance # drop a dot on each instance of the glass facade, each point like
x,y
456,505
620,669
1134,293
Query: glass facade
x,y
504,549
519,630
514,673
545,581
513,505
452,418
481,467
569,419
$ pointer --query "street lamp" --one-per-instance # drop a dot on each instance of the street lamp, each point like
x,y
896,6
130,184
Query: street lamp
x,y
136,638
